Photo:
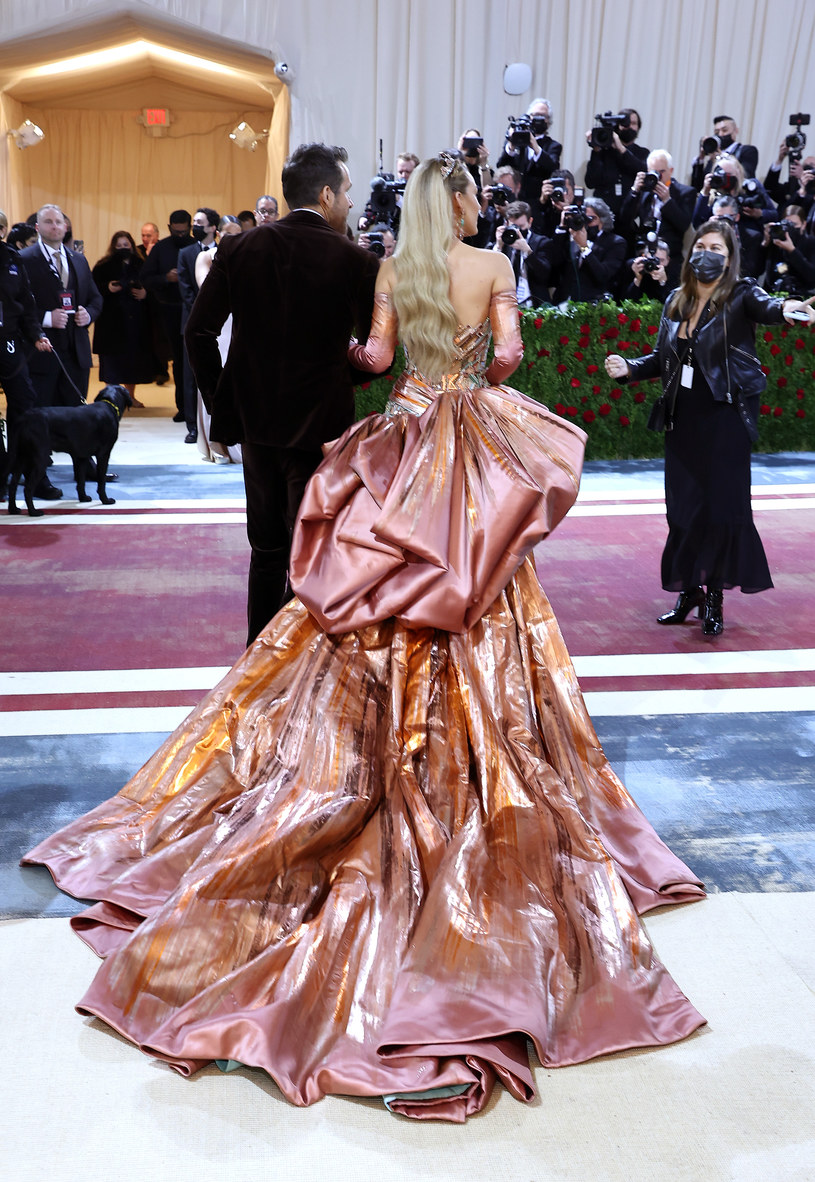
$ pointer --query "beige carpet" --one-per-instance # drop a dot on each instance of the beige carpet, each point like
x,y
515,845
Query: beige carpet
x,y
735,1103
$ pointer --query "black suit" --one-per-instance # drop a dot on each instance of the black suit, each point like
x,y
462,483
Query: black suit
x,y
188,289
589,278
746,154
71,343
533,172
609,173
536,264
296,290
163,259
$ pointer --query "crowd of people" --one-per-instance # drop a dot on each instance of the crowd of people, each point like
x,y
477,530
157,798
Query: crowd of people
x,y
623,237
130,309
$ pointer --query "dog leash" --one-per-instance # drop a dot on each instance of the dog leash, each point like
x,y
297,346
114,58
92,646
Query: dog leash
x,y
71,381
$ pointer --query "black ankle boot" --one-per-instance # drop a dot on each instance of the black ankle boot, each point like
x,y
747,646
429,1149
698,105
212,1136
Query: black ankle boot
x,y
713,620
686,602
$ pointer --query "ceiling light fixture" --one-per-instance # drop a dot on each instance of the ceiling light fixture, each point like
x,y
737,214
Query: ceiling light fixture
x,y
27,135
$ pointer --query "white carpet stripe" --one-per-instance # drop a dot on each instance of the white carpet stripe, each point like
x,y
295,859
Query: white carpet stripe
x,y
654,492
132,720
654,509
50,520
131,681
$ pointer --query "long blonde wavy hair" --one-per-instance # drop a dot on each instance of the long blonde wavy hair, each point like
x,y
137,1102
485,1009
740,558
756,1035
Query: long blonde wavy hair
x,y
421,292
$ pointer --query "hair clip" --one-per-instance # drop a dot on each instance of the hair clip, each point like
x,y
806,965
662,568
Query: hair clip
x,y
447,164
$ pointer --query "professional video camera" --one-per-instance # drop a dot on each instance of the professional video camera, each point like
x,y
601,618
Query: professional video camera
x,y
797,140
603,135
750,196
520,127
382,204
721,181
574,218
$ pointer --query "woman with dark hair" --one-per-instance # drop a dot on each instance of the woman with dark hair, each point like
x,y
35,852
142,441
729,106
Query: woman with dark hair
x,y
712,380
122,335
21,235
388,849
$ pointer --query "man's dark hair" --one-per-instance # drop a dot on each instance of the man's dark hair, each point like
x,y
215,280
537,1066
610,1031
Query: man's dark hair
x,y
720,118
212,215
308,170
180,215
518,209
562,174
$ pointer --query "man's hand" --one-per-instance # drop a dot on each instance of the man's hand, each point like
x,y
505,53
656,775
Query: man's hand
x,y
83,317
138,293
114,286
618,143
782,152
616,366
172,275
43,345
581,237
59,318
639,180
662,191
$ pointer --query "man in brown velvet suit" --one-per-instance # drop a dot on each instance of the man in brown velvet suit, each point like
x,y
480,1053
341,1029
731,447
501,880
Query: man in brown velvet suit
x,y
296,290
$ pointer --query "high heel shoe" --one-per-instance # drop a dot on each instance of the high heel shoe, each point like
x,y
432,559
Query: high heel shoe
x,y
713,619
685,604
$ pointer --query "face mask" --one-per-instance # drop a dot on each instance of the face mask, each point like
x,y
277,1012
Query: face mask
x,y
707,265
199,233
592,232
123,250
725,141
627,135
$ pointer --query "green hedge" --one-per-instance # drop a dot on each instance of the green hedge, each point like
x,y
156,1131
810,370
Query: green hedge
x,y
563,368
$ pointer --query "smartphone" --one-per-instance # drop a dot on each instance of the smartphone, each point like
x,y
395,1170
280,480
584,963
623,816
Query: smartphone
x,y
79,245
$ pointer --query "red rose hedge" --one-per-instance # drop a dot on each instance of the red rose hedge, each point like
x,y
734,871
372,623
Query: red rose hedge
x,y
564,352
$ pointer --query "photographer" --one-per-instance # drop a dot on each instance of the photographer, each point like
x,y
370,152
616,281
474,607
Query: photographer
x,y
494,201
530,149
727,178
725,139
379,239
799,189
790,255
477,158
587,256
528,254
657,203
615,158
750,236
650,280
556,194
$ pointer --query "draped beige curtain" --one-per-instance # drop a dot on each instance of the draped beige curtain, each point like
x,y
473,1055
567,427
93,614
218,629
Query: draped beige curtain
x,y
417,72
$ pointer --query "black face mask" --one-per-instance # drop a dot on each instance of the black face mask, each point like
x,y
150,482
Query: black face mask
x,y
725,141
627,135
592,232
199,233
707,265
123,250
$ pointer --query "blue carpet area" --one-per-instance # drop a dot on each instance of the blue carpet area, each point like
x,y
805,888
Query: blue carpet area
x,y
731,795
159,482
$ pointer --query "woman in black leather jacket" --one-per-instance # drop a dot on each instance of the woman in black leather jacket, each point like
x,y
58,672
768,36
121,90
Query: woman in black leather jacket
x,y
712,381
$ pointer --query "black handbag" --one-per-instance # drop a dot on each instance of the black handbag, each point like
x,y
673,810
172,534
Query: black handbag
x,y
658,418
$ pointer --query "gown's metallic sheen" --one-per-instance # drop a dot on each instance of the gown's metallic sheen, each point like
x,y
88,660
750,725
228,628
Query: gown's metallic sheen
x,y
377,859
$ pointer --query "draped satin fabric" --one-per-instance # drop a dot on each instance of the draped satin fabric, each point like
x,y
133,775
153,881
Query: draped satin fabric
x,y
377,862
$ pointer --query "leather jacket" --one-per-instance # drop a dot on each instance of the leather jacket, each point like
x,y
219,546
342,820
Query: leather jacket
x,y
724,349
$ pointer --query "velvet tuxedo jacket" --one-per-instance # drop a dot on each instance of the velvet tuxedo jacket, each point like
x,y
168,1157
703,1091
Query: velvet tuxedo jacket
x,y
296,290
46,289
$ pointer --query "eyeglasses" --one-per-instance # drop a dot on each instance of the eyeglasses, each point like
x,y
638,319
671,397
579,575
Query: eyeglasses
x,y
266,213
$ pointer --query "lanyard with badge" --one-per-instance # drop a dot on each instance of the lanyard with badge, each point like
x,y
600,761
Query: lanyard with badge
x,y
66,300
686,377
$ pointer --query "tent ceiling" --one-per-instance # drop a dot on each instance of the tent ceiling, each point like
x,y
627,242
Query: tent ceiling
x,y
122,62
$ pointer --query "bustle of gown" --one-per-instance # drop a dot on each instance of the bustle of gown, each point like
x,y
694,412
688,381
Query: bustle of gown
x,y
376,862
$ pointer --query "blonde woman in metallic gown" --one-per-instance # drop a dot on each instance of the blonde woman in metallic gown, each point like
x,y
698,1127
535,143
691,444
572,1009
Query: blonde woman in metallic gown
x,y
387,850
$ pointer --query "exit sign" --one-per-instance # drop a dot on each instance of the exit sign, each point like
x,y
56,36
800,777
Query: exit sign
x,y
156,117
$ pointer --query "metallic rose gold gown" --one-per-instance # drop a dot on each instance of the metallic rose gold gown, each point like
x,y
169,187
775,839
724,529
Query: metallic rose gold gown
x,y
388,850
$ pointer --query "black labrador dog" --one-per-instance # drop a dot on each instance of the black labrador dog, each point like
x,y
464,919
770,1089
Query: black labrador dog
x,y
85,432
